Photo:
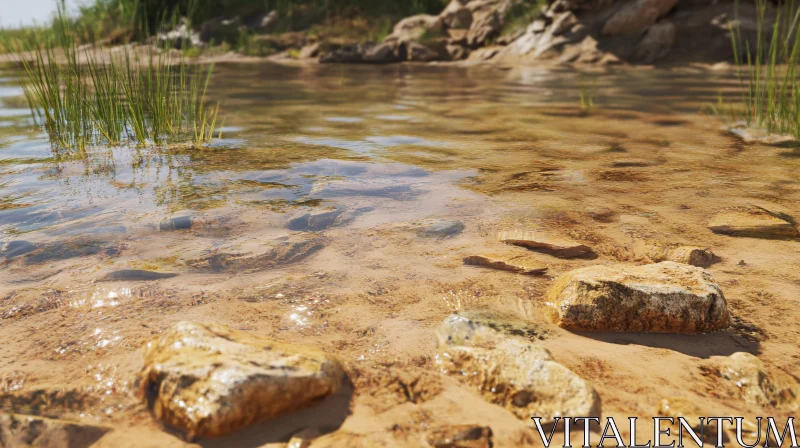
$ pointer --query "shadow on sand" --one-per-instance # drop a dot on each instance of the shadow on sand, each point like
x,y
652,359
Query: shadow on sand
x,y
327,416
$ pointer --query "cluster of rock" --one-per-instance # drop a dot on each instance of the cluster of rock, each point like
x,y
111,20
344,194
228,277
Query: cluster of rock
x,y
509,31
572,31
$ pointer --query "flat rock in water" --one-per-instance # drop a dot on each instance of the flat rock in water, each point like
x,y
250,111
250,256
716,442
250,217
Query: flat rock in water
x,y
519,264
760,385
135,275
512,372
755,222
177,223
209,380
438,228
26,430
541,242
666,297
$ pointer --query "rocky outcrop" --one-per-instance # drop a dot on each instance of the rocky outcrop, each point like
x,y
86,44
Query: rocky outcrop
x,y
33,431
456,16
208,380
487,20
566,31
636,16
760,385
519,264
414,28
512,372
754,222
666,297
549,244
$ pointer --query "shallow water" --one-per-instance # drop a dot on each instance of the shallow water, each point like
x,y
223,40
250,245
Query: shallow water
x,y
330,136
340,200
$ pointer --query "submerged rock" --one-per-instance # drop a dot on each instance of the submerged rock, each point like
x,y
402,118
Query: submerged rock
x,y
460,436
541,242
61,250
177,223
438,228
209,380
519,264
34,431
279,254
511,372
16,248
666,297
760,385
135,275
755,222
321,220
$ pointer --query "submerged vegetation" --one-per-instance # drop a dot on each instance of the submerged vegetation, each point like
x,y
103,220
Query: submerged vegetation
x,y
768,73
84,96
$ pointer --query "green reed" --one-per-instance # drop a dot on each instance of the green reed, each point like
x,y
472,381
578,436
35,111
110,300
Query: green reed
x,y
770,89
78,101
587,93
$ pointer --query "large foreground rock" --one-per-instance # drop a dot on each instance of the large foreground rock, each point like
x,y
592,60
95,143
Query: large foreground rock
x,y
512,372
755,222
760,385
209,380
666,297
18,431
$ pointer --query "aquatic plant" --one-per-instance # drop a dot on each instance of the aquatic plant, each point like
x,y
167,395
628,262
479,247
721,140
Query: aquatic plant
x,y
587,93
79,98
768,73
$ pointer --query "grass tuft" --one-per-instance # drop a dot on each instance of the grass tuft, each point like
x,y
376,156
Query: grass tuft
x,y
80,100
770,95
